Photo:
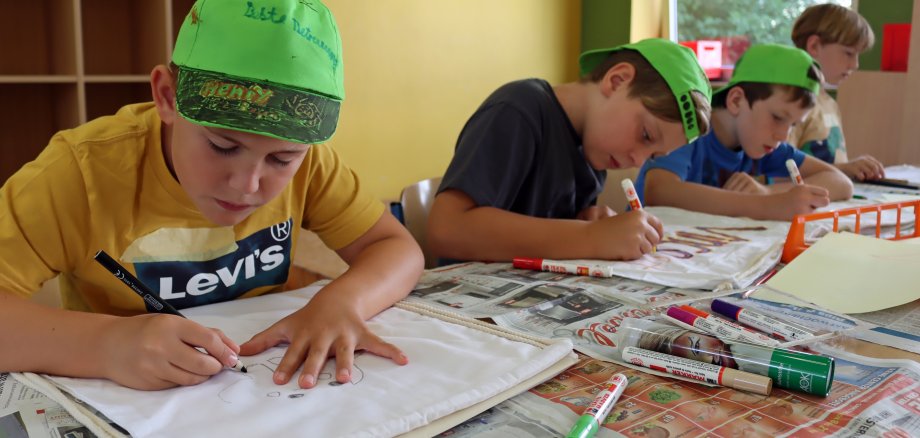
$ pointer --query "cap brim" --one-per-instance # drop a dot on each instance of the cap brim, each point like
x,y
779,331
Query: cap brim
x,y
264,108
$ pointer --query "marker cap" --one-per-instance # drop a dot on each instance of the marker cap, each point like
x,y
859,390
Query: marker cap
x,y
747,381
681,315
725,308
527,263
585,427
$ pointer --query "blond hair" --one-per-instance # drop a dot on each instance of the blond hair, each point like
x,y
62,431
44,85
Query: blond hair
x,y
833,24
652,90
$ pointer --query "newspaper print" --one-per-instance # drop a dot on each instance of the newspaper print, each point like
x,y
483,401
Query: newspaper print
x,y
489,290
870,397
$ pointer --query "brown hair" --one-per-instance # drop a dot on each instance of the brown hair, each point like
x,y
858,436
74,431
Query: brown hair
x,y
833,24
651,89
754,91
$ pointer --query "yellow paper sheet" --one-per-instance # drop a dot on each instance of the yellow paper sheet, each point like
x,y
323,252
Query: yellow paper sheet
x,y
850,273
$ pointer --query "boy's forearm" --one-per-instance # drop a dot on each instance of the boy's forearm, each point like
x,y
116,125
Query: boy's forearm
x,y
703,198
839,187
36,338
492,234
380,275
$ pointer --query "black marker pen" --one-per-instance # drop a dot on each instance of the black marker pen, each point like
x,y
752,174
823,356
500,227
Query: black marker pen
x,y
149,297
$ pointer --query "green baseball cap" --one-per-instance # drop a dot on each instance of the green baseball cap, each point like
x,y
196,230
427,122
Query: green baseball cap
x,y
676,64
775,64
269,67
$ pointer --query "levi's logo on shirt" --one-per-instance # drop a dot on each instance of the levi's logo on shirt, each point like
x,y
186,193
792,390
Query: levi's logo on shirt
x,y
261,259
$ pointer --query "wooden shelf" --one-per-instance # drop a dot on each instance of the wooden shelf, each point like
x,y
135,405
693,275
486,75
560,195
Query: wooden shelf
x,y
69,61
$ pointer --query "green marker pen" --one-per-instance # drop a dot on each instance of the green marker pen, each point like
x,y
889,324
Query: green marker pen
x,y
595,414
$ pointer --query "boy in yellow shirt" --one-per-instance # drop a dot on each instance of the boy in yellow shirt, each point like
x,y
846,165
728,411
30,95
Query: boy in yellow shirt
x,y
202,193
773,88
834,36
531,161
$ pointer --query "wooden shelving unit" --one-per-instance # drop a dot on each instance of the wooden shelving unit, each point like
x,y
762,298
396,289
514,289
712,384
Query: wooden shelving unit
x,y
69,61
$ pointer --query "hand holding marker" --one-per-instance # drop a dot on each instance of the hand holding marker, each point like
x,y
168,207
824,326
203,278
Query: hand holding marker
x,y
597,411
632,198
149,297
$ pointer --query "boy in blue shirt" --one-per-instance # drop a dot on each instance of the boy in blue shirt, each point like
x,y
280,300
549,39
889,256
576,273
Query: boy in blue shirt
x,y
724,172
531,161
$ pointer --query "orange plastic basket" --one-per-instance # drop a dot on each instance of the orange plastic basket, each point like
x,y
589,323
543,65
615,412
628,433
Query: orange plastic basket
x,y
795,240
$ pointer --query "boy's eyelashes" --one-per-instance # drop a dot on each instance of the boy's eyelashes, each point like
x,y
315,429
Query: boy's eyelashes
x,y
222,150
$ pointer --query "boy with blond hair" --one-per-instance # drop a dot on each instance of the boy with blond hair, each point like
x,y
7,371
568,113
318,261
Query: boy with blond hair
x,y
202,193
531,161
773,88
834,36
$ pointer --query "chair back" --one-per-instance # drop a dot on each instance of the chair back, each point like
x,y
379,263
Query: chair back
x,y
416,200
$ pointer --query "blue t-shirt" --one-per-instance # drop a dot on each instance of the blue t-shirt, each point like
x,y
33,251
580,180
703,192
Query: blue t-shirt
x,y
706,161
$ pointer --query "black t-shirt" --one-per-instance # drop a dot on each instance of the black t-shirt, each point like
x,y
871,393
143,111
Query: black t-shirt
x,y
519,152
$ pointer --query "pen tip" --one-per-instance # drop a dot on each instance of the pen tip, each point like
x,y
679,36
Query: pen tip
x,y
243,369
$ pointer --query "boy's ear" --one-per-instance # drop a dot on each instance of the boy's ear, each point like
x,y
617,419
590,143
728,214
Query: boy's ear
x,y
812,45
620,75
735,100
163,87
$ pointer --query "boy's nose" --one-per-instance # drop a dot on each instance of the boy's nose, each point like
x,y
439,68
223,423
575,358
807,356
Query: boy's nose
x,y
782,135
245,181
639,156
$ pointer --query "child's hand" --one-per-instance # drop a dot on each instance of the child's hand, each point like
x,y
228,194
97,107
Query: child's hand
x,y
326,327
158,351
625,236
862,168
744,183
800,199
595,212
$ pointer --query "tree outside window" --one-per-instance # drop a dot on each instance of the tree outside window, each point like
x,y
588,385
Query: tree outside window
x,y
739,23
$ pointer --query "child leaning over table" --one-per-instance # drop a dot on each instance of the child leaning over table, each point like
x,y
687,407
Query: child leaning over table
x,y
834,36
531,161
203,193
772,89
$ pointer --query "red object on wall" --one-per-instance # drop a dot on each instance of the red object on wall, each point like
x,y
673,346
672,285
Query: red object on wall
x,y
895,46
709,54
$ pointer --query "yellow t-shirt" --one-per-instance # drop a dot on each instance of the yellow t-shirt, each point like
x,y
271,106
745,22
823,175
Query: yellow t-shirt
x,y
821,134
105,185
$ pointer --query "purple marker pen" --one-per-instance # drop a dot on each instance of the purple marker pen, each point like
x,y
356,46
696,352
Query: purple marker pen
x,y
765,323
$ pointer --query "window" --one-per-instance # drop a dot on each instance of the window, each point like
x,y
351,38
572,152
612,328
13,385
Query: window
x,y
736,24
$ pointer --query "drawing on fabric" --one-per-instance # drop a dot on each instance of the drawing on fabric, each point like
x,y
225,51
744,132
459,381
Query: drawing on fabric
x,y
252,384
711,237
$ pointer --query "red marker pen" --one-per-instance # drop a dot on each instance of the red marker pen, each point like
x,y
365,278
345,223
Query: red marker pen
x,y
575,267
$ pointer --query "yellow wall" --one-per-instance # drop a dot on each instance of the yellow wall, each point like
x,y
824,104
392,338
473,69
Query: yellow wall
x,y
415,70
648,19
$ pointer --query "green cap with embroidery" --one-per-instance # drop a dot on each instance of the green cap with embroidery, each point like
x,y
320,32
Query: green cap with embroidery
x,y
676,64
269,67
775,64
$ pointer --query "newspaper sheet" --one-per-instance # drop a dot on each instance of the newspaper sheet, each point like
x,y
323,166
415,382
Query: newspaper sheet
x,y
25,412
897,327
488,290
870,397
594,333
